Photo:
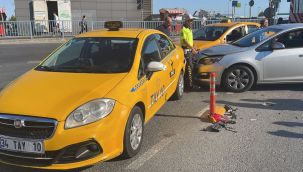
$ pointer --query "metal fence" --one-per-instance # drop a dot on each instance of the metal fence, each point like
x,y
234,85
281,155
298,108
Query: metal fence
x,y
46,28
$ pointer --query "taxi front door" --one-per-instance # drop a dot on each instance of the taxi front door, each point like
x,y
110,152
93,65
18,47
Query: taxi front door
x,y
156,83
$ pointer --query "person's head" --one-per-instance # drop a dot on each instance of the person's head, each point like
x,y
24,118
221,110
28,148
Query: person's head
x,y
264,23
84,17
54,13
188,20
168,21
280,20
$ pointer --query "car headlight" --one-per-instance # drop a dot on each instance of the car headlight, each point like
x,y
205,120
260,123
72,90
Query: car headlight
x,y
89,112
210,60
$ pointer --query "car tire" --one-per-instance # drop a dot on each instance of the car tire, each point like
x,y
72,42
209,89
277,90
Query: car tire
x,y
180,88
133,130
238,78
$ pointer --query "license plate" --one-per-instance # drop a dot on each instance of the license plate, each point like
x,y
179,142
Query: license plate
x,y
21,145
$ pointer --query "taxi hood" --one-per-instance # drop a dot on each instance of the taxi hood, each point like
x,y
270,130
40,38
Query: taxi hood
x,y
54,94
224,49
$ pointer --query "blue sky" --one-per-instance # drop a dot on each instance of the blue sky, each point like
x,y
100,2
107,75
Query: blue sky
x,y
217,5
191,5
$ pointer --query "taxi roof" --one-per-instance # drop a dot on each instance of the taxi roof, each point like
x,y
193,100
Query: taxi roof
x,y
231,24
123,32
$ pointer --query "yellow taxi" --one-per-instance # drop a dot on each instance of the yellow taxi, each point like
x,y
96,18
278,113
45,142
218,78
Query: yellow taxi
x,y
221,33
88,101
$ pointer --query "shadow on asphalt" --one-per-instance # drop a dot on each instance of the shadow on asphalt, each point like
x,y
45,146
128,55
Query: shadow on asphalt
x,y
11,168
288,134
278,104
289,124
276,87
177,116
261,87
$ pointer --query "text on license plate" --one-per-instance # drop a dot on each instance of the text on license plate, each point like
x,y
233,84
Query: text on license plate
x,y
19,145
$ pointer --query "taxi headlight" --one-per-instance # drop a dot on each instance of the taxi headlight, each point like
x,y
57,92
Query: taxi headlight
x,y
89,113
210,60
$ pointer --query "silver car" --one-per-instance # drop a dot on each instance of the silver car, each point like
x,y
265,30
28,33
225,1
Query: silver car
x,y
269,55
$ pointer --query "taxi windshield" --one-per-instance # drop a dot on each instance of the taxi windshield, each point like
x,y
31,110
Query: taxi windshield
x,y
92,55
209,33
256,37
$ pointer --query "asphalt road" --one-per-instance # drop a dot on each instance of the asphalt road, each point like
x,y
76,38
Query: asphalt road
x,y
267,138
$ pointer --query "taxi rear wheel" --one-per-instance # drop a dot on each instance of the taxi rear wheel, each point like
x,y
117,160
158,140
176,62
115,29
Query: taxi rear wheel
x,y
180,88
133,135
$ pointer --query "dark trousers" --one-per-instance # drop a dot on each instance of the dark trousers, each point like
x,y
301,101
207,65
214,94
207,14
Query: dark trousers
x,y
189,71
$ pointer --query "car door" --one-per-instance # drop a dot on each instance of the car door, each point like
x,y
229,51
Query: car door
x,y
283,65
168,55
155,81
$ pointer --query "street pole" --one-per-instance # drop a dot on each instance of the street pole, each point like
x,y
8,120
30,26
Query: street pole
x,y
228,9
244,10
142,16
249,11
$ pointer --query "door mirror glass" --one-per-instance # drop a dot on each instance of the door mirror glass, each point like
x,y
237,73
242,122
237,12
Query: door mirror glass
x,y
155,66
277,46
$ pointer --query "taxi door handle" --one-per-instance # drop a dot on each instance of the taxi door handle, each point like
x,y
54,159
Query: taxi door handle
x,y
301,55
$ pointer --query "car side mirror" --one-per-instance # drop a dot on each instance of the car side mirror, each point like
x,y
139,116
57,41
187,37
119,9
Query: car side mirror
x,y
277,46
155,67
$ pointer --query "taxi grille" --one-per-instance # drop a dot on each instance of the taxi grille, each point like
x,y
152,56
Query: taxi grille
x,y
26,127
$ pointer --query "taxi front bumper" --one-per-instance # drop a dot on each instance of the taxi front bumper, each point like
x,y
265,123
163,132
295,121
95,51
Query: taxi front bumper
x,y
77,147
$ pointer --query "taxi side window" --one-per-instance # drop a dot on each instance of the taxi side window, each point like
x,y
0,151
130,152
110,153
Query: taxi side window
x,y
236,34
165,45
150,53
252,28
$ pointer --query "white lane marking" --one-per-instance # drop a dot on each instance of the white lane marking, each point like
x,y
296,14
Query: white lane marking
x,y
199,114
33,62
135,165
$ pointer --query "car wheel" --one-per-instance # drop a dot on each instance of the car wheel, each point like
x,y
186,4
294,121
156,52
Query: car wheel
x,y
238,79
180,88
133,133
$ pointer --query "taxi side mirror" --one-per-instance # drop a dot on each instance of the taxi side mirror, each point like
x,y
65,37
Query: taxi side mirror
x,y
155,67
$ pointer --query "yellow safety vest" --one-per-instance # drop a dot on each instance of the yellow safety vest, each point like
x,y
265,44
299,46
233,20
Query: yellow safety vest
x,y
186,34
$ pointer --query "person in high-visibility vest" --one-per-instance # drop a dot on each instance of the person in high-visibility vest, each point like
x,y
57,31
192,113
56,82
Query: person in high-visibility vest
x,y
187,43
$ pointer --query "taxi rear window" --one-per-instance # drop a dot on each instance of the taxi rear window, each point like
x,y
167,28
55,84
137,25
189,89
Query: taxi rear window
x,y
93,55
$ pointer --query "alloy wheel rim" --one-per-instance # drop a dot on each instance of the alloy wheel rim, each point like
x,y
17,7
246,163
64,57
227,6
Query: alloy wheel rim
x,y
181,85
136,132
238,79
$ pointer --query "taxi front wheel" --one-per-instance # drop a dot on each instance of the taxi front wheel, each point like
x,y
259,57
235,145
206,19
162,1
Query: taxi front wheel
x,y
133,133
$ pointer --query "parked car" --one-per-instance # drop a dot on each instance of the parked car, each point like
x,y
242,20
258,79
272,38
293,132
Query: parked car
x,y
220,33
88,101
270,55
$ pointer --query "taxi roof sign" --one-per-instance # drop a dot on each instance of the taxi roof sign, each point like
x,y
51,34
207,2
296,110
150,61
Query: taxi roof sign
x,y
113,25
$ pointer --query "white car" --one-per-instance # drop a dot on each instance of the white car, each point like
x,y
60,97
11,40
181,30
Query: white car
x,y
270,55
